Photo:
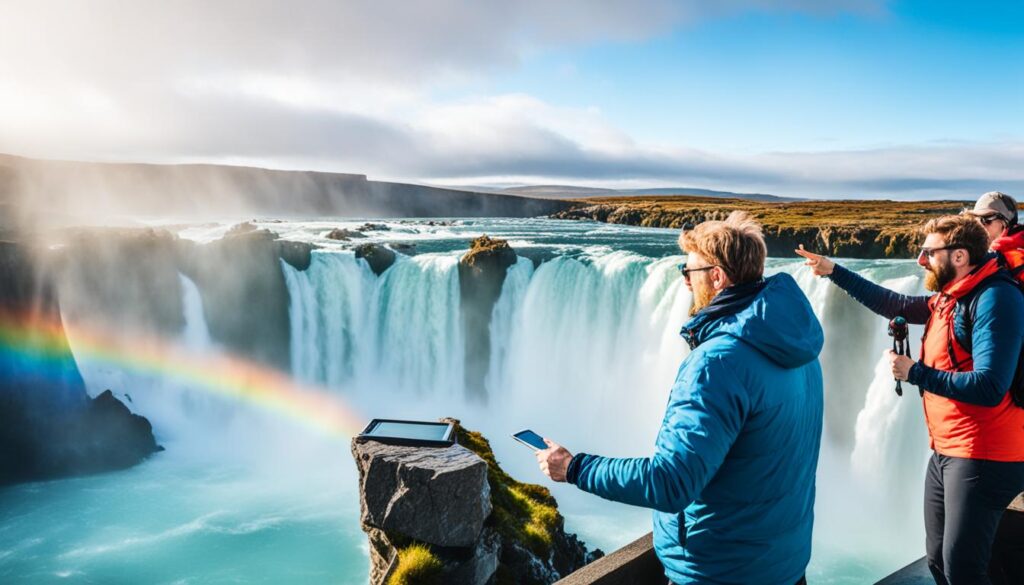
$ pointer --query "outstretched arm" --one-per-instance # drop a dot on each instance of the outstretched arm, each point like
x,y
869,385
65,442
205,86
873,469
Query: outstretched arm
x,y
878,299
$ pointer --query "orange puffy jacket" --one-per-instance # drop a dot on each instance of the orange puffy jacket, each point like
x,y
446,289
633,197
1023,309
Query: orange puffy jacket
x,y
959,429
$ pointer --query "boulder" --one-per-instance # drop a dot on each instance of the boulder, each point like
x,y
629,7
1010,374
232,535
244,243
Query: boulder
x,y
378,256
434,495
343,235
454,514
374,227
296,254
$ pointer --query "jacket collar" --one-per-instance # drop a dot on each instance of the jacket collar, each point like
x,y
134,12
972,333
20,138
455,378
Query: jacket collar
x,y
730,301
959,288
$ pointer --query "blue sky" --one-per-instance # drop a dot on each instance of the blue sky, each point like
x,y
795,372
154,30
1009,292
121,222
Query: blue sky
x,y
920,72
849,98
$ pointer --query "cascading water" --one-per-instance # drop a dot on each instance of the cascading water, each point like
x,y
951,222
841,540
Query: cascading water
x,y
590,342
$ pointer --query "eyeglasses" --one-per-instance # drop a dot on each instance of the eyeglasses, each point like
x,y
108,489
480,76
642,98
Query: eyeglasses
x,y
686,271
929,252
988,219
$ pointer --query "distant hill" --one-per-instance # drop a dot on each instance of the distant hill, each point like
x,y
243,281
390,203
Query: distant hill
x,y
576,192
39,192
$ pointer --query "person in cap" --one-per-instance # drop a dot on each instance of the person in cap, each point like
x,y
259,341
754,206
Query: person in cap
x,y
998,213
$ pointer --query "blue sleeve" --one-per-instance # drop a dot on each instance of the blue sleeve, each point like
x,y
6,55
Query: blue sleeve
x,y
879,299
996,340
706,411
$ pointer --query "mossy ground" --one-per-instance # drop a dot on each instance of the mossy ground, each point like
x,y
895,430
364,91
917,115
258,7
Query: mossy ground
x,y
889,216
417,565
523,512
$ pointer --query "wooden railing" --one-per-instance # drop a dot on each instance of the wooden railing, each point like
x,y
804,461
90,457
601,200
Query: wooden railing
x,y
633,564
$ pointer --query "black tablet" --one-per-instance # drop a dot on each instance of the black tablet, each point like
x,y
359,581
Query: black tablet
x,y
412,433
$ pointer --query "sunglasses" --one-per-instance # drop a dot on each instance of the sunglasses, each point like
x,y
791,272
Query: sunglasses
x,y
686,271
929,252
988,219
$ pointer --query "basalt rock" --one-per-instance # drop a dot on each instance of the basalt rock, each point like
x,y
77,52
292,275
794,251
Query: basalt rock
x,y
49,427
344,235
378,256
478,524
481,275
435,495
121,277
245,297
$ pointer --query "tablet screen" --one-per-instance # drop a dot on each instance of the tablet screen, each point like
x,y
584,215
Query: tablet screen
x,y
421,431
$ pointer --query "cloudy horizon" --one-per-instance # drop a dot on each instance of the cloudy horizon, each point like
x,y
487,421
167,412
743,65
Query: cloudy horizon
x,y
853,98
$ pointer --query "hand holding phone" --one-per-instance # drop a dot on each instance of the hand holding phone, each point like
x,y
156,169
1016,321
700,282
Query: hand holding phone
x,y
530,439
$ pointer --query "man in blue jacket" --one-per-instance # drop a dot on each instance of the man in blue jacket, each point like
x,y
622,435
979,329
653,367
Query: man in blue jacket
x,y
732,476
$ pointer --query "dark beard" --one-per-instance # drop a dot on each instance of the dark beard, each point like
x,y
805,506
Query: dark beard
x,y
935,281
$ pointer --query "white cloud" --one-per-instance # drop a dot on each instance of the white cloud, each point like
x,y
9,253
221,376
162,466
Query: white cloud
x,y
357,86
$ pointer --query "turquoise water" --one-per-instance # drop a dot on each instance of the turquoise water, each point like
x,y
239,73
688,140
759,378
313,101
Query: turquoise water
x,y
585,350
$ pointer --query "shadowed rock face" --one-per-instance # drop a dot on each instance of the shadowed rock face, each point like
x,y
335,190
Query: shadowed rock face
x,y
481,275
245,297
378,256
49,427
121,279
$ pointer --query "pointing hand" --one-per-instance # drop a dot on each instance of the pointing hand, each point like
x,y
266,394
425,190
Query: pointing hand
x,y
820,265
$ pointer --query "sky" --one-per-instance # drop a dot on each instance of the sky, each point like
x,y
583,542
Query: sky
x,y
813,98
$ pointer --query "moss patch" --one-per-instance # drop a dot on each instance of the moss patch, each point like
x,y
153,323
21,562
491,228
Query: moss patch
x,y
417,565
523,512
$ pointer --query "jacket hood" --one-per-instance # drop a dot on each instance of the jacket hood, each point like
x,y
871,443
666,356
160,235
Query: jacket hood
x,y
774,317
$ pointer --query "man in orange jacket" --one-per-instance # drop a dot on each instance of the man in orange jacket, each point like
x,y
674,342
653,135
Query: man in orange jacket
x,y
974,331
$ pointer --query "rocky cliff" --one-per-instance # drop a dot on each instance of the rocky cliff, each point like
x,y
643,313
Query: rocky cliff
x,y
130,277
451,515
49,426
481,275
845,229
44,192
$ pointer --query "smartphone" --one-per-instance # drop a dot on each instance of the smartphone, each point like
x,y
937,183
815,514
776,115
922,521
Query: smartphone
x,y
530,439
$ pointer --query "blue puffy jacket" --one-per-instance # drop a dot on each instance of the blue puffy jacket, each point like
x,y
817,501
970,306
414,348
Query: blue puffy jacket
x,y
732,477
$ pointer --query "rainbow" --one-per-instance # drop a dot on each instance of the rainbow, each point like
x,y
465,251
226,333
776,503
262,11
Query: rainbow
x,y
43,343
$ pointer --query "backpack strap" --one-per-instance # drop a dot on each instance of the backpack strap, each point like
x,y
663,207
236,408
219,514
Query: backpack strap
x,y
970,310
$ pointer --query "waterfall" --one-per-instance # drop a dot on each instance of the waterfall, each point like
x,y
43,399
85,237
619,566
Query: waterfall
x,y
328,314
401,331
196,335
591,342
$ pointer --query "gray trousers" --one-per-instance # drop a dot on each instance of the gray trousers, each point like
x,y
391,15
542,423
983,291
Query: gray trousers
x,y
963,502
